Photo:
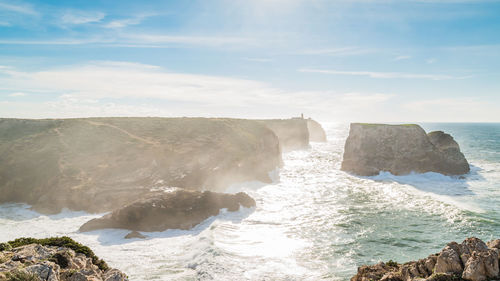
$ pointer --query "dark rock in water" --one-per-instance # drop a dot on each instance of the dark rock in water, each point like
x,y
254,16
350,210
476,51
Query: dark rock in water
x,y
292,133
180,209
100,164
134,234
316,131
54,259
471,260
401,149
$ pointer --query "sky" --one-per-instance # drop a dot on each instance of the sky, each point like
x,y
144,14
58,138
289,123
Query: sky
x,y
332,60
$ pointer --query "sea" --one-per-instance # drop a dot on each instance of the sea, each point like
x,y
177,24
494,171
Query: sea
x,y
315,222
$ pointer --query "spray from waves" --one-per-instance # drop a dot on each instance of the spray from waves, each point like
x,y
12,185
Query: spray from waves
x,y
314,222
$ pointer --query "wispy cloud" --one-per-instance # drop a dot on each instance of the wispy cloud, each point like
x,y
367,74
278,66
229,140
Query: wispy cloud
x,y
18,8
55,41
121,23
82,17
384,75
344,51
186,40
402,58
18,94
5,23
258,59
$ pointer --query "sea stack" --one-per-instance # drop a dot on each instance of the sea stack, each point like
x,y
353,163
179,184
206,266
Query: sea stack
x,y
401,149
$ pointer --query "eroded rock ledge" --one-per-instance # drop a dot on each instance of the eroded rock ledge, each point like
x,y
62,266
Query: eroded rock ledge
x,y
472,260
53,259
401,149
179,209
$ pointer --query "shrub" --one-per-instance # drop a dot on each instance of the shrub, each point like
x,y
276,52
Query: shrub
x,y
61,242
21,275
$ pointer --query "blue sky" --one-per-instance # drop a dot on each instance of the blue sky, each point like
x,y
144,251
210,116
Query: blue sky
x,y
337,60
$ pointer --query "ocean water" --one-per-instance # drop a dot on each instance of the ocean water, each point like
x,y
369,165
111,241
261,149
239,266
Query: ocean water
x,y
315,223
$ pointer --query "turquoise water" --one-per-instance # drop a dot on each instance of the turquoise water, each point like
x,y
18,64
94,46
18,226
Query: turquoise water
x,y
314,223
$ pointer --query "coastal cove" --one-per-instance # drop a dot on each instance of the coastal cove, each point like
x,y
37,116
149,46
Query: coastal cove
x,y
313,222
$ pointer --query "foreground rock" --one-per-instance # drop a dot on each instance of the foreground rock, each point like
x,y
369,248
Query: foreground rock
x,y
316,131
401,149
471,260
180,209
100,164
53,259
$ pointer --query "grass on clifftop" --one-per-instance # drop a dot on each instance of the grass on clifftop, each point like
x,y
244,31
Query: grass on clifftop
x,y
378,124
57,242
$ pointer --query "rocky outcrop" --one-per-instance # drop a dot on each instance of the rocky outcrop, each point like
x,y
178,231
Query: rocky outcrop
x,y
100,164
316,131
179,209
53,259
401,149
292,133
472,260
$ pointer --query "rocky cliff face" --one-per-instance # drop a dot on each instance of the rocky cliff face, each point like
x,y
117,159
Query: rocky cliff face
x,y
401,149
472,260
99,164
316,131
53,259
179,209
292,133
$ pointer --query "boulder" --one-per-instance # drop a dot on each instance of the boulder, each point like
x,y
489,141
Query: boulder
x,y
51,260
179,209
100,164
401,149
316,131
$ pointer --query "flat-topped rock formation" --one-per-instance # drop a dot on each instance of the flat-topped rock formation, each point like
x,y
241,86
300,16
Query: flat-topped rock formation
x,y
179,209
53,259
401,149
292,133
316,131
100,164
472,260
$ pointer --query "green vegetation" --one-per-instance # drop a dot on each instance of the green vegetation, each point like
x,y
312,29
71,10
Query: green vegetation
x,y
61,242
21,276
392,263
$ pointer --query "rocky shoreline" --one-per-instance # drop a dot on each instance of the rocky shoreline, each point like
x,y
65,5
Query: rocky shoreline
x,y
53,259
471,260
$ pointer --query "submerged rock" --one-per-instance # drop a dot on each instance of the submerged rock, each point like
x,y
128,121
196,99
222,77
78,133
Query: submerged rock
x,y
401,149
179,209
54,259
134,234
471,260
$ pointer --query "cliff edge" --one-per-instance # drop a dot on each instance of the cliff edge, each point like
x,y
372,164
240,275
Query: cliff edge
x,y
100,164
401,149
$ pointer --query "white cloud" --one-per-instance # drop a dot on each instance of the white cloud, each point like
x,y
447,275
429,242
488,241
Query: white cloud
x,y
129,89
402,58
344,51
213,41
383,75
82,17
22,9
120,23
258,59
17,94
430,61
4,23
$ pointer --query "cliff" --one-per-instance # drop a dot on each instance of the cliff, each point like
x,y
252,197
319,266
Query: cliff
x,y
99,164
472,260
53,259
179,209
401,149
316,131
292,133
